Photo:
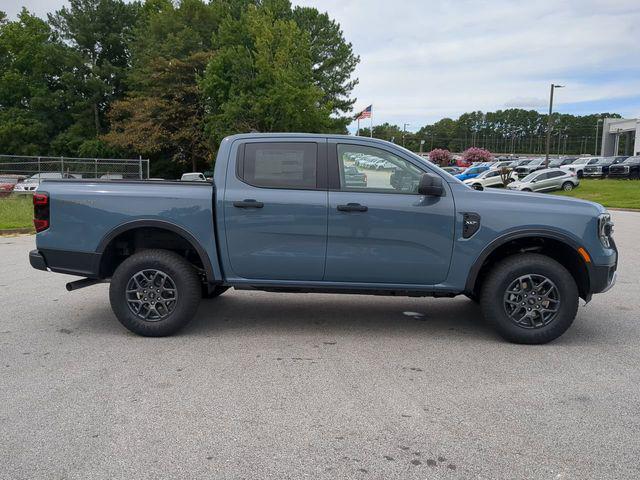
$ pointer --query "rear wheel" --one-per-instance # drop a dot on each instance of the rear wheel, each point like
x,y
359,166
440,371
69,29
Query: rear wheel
x,y
529,298
155,293
567,186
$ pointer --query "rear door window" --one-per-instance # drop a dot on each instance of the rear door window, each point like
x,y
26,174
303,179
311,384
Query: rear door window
x,y
288,165
555,174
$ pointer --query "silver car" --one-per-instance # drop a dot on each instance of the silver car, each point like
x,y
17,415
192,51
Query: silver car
x,y
546,180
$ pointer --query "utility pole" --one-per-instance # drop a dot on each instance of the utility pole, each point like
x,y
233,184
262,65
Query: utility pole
x,y
595,151
550,124
404,132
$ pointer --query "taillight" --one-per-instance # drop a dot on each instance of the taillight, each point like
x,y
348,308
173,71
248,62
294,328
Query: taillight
x,y
41,211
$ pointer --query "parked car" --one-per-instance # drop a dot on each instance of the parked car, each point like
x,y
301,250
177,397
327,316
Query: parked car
x,y
381,164
559,162
600,169
505,164
8,183
489,178
354,177
30,184
471,172
460,162
546,180
273,220
577,166
630,168
193,177
111,176
528,166
453,170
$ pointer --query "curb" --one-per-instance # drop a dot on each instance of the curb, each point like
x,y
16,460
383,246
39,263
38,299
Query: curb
x,y
634,210
17,231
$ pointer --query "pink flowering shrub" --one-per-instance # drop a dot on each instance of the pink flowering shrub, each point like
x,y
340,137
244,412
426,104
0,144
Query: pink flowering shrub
x,y
440,156
475,154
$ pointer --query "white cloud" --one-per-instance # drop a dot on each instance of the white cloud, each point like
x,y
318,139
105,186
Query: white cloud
x,y
422,60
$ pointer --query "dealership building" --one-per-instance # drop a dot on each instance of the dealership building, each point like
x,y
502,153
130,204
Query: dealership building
x,y
613,129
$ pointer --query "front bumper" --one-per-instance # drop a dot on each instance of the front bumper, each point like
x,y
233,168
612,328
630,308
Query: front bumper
x,y
603,277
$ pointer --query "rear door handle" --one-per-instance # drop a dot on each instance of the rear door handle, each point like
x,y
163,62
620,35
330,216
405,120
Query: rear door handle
x,y
353,207
248,203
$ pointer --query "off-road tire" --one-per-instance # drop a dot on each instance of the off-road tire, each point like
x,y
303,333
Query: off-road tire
x,y
187,285
492,297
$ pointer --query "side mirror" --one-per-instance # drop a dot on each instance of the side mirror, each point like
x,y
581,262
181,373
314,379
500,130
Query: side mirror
x,y
430,185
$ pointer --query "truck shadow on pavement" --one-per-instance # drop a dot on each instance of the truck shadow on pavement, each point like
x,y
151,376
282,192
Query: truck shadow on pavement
x,y
339,315
326,315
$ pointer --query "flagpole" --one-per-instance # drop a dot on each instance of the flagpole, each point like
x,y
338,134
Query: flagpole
x,y
371,123
358,129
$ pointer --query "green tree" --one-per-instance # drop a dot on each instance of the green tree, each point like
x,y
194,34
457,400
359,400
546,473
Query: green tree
x,y
333,61
384,131
99,31
35,68
163,114
260,78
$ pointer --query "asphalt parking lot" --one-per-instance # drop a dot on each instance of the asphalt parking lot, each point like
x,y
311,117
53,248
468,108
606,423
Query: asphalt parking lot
x,y
285,386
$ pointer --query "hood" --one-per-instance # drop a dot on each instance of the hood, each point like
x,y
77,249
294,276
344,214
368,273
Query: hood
x,y
541,200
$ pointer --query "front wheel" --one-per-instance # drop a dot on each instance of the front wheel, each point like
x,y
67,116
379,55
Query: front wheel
x,y
529,298
567,186
155,293
477,186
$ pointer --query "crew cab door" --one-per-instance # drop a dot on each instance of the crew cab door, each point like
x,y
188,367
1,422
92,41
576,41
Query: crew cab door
x,y
385,232
275,207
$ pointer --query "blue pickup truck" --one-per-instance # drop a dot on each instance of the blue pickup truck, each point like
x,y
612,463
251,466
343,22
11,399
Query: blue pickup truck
x,y
281,215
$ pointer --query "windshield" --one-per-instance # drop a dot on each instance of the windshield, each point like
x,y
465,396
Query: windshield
x,y
581,161
525,162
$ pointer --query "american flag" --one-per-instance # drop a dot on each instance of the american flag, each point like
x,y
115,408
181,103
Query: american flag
x,y
366,113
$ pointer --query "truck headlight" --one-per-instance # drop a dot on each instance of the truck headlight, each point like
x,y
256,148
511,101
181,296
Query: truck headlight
x,y
605,229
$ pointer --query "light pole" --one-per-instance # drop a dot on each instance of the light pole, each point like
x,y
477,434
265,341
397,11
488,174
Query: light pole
x,y
549,124
595,152
404,132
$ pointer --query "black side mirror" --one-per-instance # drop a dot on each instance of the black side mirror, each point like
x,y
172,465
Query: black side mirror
x,y
430,185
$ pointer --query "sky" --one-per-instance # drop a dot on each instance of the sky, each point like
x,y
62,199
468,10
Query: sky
x,y
423,60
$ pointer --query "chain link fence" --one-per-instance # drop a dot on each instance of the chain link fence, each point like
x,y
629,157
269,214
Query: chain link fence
x,y
70,167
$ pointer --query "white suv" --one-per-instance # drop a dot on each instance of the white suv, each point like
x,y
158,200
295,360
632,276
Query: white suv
x,y
577,167
489,178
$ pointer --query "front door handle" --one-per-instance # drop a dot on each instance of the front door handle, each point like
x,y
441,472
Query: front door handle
x,y
248,203
353,207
